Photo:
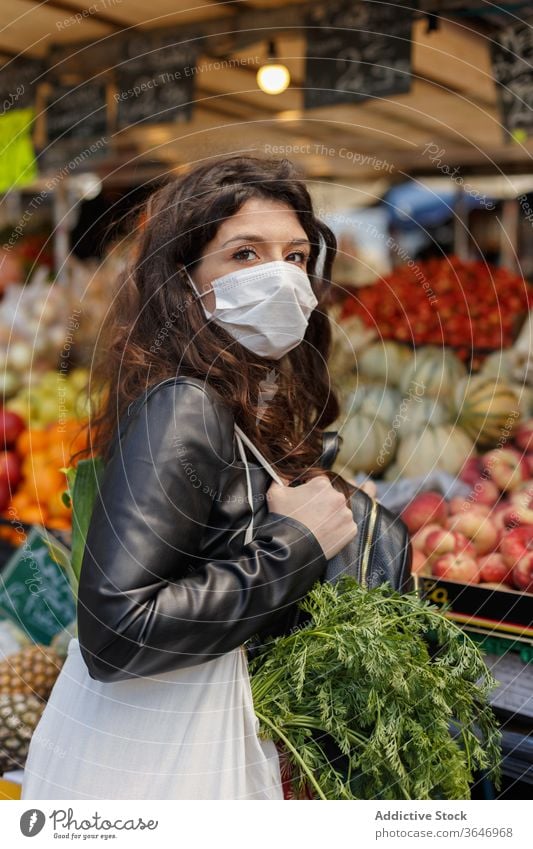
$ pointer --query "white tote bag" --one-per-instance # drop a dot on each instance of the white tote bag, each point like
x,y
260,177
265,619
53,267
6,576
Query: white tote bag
x,y
186,734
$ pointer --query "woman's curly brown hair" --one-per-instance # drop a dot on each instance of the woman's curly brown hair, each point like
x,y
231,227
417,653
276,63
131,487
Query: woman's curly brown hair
x,y
177,222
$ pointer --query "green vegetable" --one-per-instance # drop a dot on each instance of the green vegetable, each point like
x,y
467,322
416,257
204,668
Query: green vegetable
x,y
384,676
83,482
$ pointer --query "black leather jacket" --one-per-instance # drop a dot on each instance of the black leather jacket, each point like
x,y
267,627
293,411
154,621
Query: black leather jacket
x,y
167,581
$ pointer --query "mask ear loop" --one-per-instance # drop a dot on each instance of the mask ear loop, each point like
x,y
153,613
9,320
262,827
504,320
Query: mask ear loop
x,y
197,293
321,258
191,281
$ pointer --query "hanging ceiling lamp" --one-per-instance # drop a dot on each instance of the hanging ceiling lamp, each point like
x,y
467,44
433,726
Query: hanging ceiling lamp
x,y
273,77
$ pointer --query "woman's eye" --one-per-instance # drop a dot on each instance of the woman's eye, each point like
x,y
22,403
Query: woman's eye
x,y
303,256
239,254
244,254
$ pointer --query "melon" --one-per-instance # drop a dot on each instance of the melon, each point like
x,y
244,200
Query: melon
x,y
487,410
500,365
368,444
445,447
525,400
415,414
384,362
347,338
434,372
374,401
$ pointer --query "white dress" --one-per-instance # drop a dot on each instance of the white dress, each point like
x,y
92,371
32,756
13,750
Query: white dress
x,y
186,734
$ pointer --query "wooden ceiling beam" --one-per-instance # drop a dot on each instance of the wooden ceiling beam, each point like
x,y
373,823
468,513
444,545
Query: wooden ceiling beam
x,y
76,9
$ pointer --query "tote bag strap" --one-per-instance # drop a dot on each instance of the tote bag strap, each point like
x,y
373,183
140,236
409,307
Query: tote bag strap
x,y
242,440
255,451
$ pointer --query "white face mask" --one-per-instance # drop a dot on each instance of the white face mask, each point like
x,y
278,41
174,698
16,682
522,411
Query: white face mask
x,y
266,307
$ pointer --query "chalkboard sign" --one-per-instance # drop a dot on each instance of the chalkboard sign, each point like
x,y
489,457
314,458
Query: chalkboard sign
x,y
155,83
512,65
35,592
18,82
356,51
77,112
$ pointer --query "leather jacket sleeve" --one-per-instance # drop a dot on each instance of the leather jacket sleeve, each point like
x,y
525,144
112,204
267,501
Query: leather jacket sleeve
x,y
148,602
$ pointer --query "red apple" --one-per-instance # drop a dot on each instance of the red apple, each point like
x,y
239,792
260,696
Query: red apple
x,y
10,469
524,436
456,567
493,569
477,528
501,518
439,542
507,468
516,544
471,470
418,540
523,496
459,505
425,508
523,574
447,542
485,492
11,426
517,515
463,545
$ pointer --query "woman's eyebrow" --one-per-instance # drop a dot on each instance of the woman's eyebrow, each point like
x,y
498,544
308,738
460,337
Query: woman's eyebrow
x,y
253,237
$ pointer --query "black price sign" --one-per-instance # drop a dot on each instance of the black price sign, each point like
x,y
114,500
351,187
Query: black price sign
x,y
512,65
356,51
77,112
18,83
155,83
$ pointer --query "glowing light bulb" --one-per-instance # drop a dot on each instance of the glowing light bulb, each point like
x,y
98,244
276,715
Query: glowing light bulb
x,y
273,78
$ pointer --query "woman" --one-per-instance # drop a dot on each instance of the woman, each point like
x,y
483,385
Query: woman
x,y
217,345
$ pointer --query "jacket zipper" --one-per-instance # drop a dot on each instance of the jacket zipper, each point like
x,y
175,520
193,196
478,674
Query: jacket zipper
x,y
366,555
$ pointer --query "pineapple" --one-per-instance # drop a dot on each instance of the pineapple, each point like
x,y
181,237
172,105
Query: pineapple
x,y
32,670
19,715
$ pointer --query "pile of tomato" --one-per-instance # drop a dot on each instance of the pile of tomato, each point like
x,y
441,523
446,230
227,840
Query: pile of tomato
x,y
469,306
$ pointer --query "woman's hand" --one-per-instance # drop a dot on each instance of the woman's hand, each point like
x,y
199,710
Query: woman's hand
x,y
320,507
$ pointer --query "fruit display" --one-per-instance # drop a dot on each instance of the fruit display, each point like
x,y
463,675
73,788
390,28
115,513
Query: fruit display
x,y
436,415
52,396
36,482
363,438
43,322
484,408
435,370
465,305
19,715
422,419
487,537
41,427
33,669
444,447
